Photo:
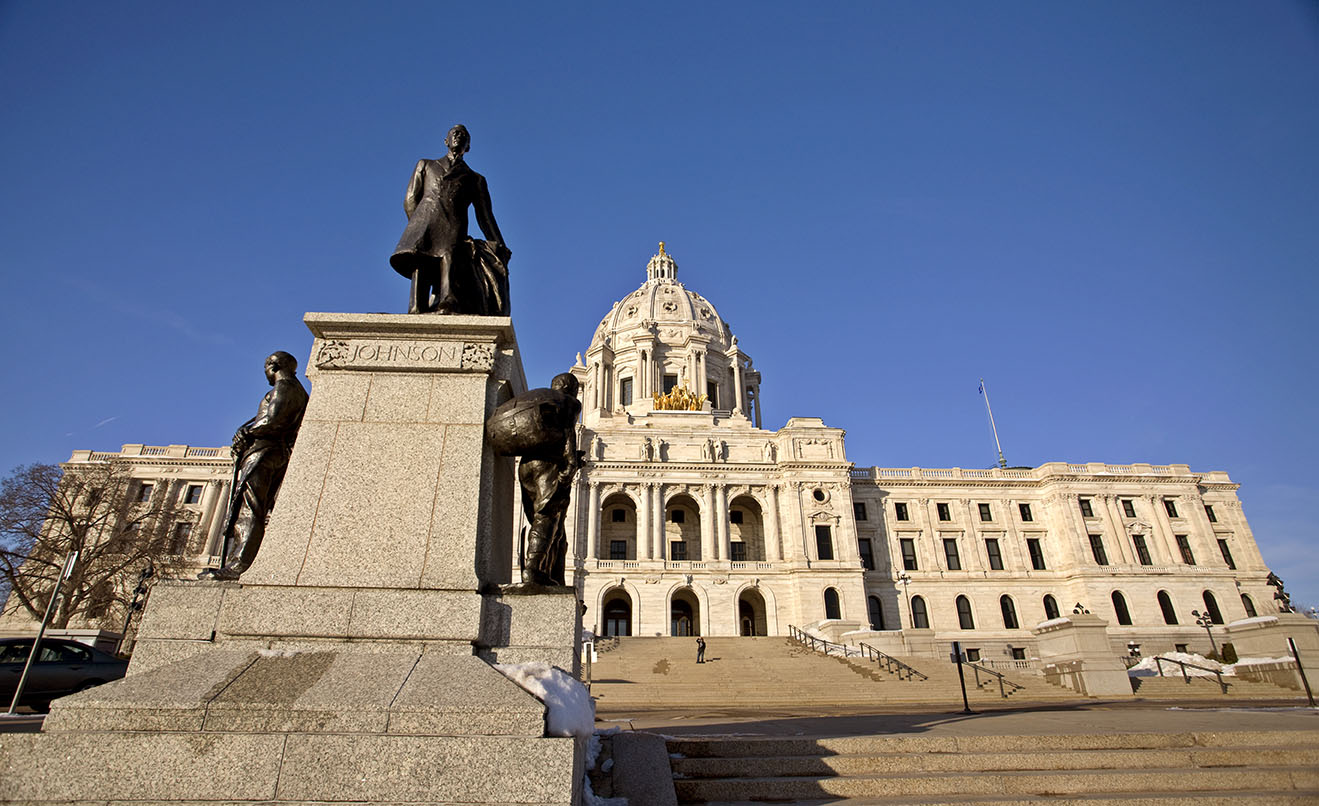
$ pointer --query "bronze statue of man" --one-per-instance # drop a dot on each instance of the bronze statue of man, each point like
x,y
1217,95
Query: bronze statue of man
x,y
450,272
541,427
261,454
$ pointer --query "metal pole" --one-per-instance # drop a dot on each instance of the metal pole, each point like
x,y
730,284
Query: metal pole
x,y
961,676
984,391
41,632
1296,656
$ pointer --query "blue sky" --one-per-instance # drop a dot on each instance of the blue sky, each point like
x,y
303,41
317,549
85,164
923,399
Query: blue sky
x,y
1108,210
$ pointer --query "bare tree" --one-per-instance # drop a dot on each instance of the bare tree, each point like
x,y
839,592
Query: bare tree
x,y
115,524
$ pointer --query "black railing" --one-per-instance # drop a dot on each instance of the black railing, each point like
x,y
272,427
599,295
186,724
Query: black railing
x,y
1159,661
891,664
1003,682
821,645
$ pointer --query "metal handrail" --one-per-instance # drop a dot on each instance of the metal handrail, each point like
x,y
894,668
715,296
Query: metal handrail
x,y
1159,661
891,664
1002,681
802,637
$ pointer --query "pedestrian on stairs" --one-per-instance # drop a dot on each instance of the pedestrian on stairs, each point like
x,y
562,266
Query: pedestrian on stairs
x,y
700,649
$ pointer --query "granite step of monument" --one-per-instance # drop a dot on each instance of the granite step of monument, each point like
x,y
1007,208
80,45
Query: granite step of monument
x,y
1027,783
1208,688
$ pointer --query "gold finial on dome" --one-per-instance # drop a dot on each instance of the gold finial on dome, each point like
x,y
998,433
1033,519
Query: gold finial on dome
x,y
661,247
661,267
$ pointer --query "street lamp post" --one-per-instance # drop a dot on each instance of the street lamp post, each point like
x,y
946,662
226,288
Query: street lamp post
x,y
904,578
1205,621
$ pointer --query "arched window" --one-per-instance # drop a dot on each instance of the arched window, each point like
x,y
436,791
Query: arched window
x,y
1050,607
1249,604
1120,608
876,613
831,607
1009,612
964,618
1211,607
1165,604
920,619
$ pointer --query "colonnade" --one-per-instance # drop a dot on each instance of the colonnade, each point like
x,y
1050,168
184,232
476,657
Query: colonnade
x,y
716,541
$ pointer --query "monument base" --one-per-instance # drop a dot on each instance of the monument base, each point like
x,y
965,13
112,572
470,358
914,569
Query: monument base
x,y
352,662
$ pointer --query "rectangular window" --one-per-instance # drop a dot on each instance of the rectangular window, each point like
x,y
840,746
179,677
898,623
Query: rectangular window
x,y
973,656
618,515
859,510
670,383
678,550
193,494
1179,648
1209,513
1036,553
735,516
712,392
1097,550
1128,508
1184,546
144,493
908,553
625,392
1026,515
900,512
985,514
678,516
1170,506
867,554
944,514
995,556
824,542
950,554
179,543
1227,554
1142,550
737,551
1087,511
618,549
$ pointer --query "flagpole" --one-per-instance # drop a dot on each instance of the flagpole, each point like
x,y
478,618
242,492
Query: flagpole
x,y
1001,461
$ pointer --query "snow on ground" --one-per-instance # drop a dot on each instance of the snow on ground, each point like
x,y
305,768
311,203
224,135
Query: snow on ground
x,y
569,709
1148,667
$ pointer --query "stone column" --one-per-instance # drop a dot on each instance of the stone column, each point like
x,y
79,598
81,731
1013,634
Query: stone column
x,y
657,522
708,528
1012,546
737,382
757,403
1208,544
593,522
1079,545
218,491
642,380
594,380
1164,527
975,549
936,560
643,525
721,520
773,548
1121,550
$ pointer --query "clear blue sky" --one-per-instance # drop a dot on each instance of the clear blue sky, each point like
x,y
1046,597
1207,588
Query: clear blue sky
x,y
1109,210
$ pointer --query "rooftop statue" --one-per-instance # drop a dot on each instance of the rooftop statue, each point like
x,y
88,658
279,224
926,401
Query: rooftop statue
x,y
261,454
451,273
540,426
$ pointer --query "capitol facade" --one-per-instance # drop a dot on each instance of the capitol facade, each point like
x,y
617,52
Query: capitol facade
x,y
699,520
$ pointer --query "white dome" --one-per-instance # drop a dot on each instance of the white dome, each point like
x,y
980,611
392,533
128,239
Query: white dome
x,y
664,307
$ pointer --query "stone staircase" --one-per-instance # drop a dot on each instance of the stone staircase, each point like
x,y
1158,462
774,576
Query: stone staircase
x,y
1277,768
765,672
1207,688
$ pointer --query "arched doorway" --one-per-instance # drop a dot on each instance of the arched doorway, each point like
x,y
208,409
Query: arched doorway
x,y
751,611
616,614
746,532
684,613
618,528
682,529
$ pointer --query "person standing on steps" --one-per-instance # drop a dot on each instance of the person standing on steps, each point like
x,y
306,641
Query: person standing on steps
x,y
700,650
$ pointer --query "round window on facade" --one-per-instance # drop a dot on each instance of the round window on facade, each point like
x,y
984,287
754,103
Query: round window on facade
x,y
820,495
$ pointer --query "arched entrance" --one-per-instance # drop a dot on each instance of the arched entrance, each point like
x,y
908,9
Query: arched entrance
x,y
746,532
618,528
616,615
682,529
684,613
751,612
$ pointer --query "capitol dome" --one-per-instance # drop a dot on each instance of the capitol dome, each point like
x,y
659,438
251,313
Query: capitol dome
x,y
661,337
663,305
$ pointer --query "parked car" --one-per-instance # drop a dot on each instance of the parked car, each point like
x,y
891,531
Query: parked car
x,y
62,667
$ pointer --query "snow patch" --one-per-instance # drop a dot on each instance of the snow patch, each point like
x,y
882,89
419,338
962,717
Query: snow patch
x,y
277,653
568,706
1256,620
1053,622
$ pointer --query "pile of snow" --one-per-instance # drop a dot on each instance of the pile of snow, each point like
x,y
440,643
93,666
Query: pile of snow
x,y
1149,667
1253,662
568,706
1053,622
1256,620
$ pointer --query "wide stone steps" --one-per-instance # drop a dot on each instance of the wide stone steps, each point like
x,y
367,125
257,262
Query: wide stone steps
x,y
1175,688
1275,767
776,672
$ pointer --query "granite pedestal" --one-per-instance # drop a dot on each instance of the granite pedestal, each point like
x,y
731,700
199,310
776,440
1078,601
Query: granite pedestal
x,y
352,661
